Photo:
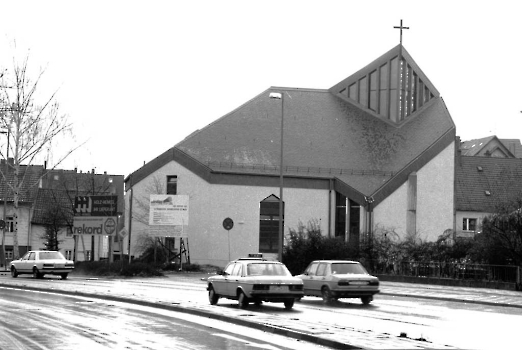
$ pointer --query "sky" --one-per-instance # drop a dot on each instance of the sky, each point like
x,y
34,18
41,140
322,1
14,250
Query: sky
x,y
137,77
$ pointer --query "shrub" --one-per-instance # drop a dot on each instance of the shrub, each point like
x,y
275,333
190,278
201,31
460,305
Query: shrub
x,y
306,244
117,268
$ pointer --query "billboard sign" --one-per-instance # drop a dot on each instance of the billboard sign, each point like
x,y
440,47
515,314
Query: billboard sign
x,y
170,210
96,205
94,225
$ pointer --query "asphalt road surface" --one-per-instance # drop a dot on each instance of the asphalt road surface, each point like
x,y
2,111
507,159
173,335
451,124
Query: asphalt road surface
x,y
427,323
48,321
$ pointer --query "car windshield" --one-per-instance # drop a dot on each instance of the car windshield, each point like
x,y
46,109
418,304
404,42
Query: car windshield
x,y
50,255
344,268
267,269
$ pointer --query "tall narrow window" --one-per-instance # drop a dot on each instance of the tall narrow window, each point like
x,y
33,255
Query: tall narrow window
x,y
269,225
172,184
355,223
340,215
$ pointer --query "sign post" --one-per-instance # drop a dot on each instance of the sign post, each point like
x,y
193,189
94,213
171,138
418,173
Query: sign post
x,y
228,223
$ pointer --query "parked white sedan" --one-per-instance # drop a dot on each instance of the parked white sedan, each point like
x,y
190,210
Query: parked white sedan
x,y
42,262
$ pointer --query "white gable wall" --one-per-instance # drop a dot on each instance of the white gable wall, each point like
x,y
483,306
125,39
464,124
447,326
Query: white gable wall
x,y
209,205
435,200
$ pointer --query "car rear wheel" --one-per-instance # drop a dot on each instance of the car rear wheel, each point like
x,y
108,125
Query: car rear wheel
x,y
212,296
36,273
366,300
327,295
289,304
14,273
242,300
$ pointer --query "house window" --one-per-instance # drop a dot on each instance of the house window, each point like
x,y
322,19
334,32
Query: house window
x,y
68,254
87,255
469,224
172,184
9,224
9,254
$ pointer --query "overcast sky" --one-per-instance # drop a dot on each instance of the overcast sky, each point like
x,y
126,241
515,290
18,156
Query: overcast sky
x,y
137,77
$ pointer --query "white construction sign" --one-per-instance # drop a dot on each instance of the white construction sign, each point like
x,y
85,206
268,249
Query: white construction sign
x,y
169,210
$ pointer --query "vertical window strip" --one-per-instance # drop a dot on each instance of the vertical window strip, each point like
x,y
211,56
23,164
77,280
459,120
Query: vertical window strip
x,y
394,83
373,91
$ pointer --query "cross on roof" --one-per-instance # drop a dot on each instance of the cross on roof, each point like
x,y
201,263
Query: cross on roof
x,y
401,28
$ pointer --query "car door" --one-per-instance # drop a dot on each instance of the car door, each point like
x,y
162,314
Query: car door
x,y
320,277
308,278
233,280
26,263
219,283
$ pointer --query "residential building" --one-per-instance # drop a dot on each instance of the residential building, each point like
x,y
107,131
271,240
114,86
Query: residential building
x,y
46,189
482,184
492,146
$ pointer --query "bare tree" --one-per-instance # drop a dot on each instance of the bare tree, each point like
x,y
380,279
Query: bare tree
x,y
31,120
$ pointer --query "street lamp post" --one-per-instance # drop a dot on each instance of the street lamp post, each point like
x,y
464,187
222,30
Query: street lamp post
x,y
280,96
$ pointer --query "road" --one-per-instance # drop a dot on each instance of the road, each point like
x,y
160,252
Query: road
x,y
426,323
49,321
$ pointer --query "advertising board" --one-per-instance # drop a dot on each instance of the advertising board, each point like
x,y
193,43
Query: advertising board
x,y
94,225
169,210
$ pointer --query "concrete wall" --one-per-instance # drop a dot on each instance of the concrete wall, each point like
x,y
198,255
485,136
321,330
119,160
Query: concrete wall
x,y
435,200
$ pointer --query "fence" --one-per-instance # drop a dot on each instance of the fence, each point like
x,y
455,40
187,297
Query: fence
x,y
459,271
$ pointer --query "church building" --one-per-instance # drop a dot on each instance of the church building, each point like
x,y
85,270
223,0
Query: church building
x,y
374,152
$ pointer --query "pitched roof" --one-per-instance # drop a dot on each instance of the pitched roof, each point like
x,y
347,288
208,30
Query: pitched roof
x,y
490,145
514,146
327,135
62,186
483,182
31,176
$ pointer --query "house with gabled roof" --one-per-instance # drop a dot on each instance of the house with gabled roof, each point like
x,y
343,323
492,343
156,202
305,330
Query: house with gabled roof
x,y
375,151
59,188
491,146
482,184
43,189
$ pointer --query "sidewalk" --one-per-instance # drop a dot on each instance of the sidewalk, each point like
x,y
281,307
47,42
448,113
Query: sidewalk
x,y
318,333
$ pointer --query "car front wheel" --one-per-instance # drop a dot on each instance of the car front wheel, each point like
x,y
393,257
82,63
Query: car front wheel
x,y
64,276
212,296
289,304
242,300
14,273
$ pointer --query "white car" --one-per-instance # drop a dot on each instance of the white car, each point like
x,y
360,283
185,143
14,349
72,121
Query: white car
x,y
255,280
40,263
334,279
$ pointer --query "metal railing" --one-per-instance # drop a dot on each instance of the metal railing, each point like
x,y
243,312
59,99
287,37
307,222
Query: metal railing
x,y
457,270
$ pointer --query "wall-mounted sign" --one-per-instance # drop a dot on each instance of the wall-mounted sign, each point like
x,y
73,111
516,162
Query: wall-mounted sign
x,y
94,225
166,209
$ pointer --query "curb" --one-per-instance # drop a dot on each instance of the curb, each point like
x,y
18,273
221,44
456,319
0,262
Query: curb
x,y
172,307
457,300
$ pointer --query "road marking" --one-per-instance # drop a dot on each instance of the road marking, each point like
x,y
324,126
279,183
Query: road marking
x,y
249,343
